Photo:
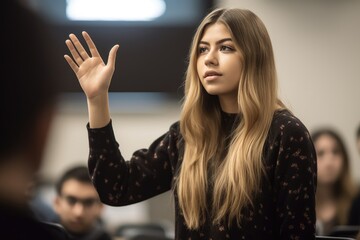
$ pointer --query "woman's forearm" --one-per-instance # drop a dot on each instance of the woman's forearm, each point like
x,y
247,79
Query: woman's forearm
x,y
98,109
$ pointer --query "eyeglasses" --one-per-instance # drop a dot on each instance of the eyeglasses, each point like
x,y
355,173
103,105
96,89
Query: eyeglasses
x,y
86,202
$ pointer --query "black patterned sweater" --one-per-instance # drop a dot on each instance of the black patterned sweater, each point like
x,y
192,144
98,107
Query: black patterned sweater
x,y
283,209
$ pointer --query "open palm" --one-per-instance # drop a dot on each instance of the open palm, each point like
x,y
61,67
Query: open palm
x,y
93,74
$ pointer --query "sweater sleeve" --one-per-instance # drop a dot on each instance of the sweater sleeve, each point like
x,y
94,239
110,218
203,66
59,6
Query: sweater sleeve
x,y
295,182
148,173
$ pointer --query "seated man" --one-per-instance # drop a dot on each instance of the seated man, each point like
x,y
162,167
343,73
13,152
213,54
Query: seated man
x,y
78,205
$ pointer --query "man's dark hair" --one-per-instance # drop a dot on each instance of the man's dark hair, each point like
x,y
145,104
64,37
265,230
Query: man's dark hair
x,y
28,75
358,132
79,173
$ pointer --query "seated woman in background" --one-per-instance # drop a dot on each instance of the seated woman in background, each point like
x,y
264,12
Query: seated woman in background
x,y
354,214
335,189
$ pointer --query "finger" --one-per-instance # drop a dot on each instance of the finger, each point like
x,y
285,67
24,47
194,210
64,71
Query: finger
x,y
112,56
79,47
73,52
93,50
71,63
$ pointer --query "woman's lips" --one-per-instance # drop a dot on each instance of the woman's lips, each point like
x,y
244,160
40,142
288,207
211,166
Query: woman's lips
x,y
211,75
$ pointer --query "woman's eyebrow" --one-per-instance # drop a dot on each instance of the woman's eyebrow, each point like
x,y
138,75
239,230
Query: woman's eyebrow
x,y
217,42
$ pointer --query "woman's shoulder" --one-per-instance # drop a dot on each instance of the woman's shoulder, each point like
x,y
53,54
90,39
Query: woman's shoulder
x,y
285,116
286,124
174,132
175,128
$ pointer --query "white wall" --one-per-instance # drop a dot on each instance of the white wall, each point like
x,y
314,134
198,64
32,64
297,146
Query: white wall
x,y
317,50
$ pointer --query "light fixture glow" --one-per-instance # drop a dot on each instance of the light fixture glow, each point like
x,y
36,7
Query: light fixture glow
x,y
115,10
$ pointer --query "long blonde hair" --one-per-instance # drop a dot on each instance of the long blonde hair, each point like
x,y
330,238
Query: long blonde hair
x,y
238,173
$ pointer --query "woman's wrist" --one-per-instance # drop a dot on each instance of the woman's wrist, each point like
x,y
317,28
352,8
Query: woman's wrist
x,y
99,113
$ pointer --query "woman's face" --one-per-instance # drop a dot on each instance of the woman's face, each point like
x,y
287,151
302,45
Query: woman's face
x,y
330,160
219,64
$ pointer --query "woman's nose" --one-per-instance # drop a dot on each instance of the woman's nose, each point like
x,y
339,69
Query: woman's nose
x,y
211,58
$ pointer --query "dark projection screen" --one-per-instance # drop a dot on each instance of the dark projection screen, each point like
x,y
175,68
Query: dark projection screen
x,y
152,55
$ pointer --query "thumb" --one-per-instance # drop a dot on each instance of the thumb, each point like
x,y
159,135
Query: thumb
x,y
112,56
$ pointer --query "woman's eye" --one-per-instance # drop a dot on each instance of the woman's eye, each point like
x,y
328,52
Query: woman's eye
x,y
320,153
226,48
336,151
202,49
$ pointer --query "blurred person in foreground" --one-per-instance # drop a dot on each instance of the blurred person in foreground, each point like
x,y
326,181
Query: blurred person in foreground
x,y
28,96
336,189
78,205
354,214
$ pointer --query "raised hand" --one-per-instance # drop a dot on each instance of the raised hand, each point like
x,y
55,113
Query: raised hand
x,y
93,74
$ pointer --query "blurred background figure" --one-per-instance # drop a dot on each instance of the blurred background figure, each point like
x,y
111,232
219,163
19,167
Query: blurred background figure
x,y
41,209
78,205
27,102
354,215
358,139
335,189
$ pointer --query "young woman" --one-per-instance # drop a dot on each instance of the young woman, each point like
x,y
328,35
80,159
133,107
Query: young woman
x,y
336,188
240,165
